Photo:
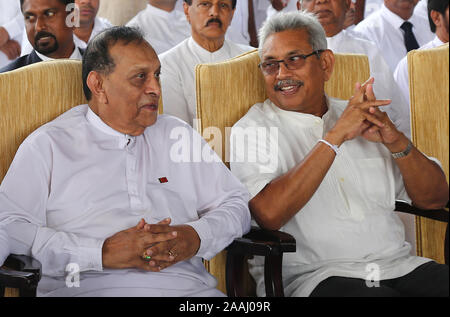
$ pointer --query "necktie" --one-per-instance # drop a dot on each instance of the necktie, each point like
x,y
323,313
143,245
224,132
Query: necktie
x,y
410,39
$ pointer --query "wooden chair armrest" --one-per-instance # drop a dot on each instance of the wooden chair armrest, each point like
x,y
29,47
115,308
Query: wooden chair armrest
x,y
22,272
271,245
436,214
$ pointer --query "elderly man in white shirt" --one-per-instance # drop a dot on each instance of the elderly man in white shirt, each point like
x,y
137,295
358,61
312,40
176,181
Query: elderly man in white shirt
x,y
102,191
163,26
439,24
395,30
331,15
339,167
11,29
90,24
209,21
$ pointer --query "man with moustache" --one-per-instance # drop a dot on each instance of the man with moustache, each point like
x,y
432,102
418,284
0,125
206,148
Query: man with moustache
x,y
209,21
395,29
331,15
11,29
164,26
439,24
90,23
341,165
97,189
45,24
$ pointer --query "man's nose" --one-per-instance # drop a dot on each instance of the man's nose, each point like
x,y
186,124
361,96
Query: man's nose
x,y
214,10
283,71
153,87
40,24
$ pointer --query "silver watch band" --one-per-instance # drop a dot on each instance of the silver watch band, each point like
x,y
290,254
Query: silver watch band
x,y
404,153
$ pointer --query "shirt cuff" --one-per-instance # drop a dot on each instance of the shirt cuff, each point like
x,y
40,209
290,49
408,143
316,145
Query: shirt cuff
x,y
90,257
14,27
204,232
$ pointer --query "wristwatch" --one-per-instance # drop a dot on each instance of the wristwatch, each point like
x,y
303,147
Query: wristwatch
x,y
405,152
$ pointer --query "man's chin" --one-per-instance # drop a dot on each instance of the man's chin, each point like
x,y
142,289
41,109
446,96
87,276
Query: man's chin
x,y
46,50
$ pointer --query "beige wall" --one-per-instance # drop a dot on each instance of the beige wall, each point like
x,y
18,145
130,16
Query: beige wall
x,y
119,12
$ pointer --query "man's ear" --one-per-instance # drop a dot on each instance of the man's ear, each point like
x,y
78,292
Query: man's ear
x,y
299,5
327,63
186,11
436,18
95,83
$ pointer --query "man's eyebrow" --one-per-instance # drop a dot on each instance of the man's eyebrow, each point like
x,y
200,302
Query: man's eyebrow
x,y
288,54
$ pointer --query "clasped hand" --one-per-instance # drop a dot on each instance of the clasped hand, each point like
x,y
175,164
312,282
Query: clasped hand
x,y
151,247
362,117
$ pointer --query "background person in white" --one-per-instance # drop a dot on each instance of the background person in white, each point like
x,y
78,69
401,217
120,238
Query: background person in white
x,y
11,29
209,21
335,185
439,24
331,15
96,186
163,26
90,23
383,28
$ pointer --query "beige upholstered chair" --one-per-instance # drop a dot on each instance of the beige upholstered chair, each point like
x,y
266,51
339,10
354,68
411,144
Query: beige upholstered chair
x,y
31,96
429,94
225,92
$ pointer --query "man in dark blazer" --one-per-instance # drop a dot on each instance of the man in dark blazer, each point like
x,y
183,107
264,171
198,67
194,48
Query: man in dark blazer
x,y
49,29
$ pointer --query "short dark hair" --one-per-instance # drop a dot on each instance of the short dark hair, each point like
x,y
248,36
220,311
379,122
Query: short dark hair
x,y
65,2
97,57
436,5
233,3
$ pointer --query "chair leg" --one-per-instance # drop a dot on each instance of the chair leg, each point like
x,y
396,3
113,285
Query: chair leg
x,y
273,275
235,263
446,246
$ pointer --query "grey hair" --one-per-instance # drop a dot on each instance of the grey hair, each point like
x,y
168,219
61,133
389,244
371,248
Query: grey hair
x,y
295,20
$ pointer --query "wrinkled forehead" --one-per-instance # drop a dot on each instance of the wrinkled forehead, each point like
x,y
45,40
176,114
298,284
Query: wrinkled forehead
x,y
127,56
35,6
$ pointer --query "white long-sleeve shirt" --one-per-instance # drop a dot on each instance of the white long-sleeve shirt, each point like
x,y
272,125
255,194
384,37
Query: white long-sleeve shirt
x,y
11,19
178,74
401,72
383,28
75,182
384,86
348,227
162,29
4,245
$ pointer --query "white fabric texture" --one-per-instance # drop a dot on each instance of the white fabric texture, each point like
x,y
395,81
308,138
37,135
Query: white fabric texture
x,y
349,223
162,29
75,182
383,28
178,74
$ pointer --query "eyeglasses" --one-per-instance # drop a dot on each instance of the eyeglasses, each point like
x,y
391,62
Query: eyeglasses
x,y
292,62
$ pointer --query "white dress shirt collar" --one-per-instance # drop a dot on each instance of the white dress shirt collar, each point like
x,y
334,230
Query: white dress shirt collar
x,y
98,123
75,55
204,53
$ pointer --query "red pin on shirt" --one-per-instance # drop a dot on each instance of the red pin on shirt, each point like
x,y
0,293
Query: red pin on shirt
x,y
163,180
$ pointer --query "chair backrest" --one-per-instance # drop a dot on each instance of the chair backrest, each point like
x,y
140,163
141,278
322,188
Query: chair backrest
x,y
227,90
33,95
429,94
